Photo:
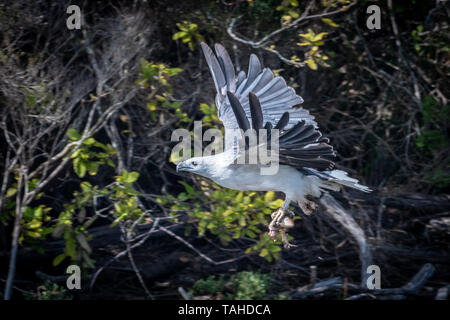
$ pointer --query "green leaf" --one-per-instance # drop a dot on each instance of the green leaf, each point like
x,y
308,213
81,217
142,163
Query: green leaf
x,y
75,154
187,187
92,167
132,177
110,163
264,252
225,237
59,258
319,36
173,71
38,212
80,167
330,22
293,14
179,35
311,64
86,186
34,224
73,134
28,212
275,204
89,141
269,196
10,192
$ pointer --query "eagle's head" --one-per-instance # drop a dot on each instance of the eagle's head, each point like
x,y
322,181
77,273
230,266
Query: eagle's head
x,y
197,165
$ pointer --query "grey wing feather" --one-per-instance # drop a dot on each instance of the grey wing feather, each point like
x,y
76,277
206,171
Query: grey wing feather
x,y
266,77
227,67
241,77
274,95
254,68
214,67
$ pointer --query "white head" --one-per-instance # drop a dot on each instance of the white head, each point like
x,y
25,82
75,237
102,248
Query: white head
x,y
198,165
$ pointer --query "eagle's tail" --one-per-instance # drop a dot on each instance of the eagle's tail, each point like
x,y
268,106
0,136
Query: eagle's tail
x,y
335,179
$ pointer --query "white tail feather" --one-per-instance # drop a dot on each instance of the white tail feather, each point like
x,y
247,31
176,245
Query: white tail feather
x,y
341,177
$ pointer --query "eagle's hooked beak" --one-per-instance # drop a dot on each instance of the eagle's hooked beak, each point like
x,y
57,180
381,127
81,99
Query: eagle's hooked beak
x,y
185,166
182,166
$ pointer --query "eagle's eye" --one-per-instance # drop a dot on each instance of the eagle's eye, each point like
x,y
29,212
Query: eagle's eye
x,y
194,163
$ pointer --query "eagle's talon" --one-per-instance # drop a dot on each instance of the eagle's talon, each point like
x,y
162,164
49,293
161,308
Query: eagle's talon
x,y
286,243
282,218
275,214
281,221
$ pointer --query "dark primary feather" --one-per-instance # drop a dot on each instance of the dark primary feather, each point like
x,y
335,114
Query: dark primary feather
x,y
238,112
300,146
299,133
268,126
256,112
307,162
284,120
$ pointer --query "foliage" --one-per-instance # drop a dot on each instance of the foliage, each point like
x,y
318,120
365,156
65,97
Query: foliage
x,y
48,291
313,56
156,76
188,34
210,117
211,285
290,11
228,214
88,158
73,222
250,285
151,73
433,139
35,222
335,3
432,136
289,8
244,285
430,45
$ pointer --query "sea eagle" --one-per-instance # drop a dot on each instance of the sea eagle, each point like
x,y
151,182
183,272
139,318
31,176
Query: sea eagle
x,y
261,101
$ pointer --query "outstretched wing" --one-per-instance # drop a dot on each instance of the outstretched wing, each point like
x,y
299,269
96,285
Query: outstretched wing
x,y
300,146
275,96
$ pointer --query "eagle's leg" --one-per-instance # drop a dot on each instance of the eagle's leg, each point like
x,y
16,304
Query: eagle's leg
x,y
281,222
